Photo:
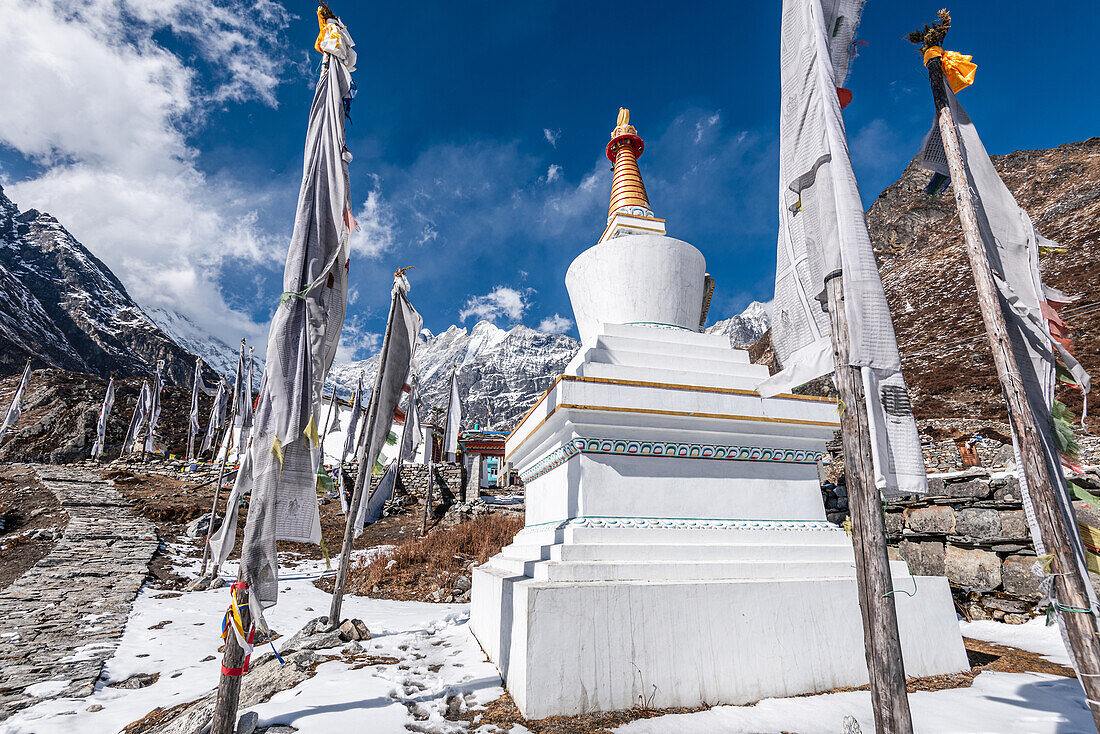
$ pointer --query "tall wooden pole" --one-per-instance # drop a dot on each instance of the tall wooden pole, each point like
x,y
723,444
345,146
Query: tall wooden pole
x,y
881,642
1069,583
364,472
229,685
427,500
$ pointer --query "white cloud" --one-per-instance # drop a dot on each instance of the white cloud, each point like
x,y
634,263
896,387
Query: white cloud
x,y
356,342
502,301
556,324
701,126
105,110
551,136
376,224
553,173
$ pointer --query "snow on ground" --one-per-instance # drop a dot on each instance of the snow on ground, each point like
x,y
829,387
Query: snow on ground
x,y
1034,636
997,703
422,636
442,659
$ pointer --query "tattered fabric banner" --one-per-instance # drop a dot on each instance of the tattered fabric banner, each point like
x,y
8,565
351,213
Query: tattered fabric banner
x,y
371,510
410,432
15,408
823,232
454,421
400,345
217,415
334,424
246,405
279,469
101,424
349,442
193,422
1012,245
137,423
154,410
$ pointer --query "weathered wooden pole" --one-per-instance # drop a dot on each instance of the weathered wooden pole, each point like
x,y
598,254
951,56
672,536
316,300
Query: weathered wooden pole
x,y
427,500
233,667
1069,583
364,472
881,642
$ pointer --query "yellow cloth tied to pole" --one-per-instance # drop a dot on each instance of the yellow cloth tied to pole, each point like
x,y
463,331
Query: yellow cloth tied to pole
x,y
1091,538
957,67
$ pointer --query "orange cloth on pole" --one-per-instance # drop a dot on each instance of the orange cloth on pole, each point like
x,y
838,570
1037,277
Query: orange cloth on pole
x,y
957,67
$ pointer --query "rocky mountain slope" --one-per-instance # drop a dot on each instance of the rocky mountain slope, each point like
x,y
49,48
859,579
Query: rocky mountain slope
x,y
499,371
503,372
62,307
746,327
918,239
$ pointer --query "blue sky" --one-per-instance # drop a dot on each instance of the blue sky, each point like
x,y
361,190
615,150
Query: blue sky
x,y
168,136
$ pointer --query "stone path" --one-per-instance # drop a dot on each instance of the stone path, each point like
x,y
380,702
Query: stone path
x,y
62,619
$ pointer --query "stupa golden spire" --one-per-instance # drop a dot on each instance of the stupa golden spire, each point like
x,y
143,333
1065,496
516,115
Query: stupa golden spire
x,y
628,195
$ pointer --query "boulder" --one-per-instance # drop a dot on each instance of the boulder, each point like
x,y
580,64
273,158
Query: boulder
x,y
895,523
1006,488
925,559
972,488
937,520
462,583
978,523
1017,578
301,637
353,648
247,723
972,568
354,629
1014,524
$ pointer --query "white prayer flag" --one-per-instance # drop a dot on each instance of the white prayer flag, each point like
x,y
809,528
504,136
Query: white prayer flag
x,y
1012,245
15,408
823,232
193,422
154,410
410,432
279,469
101,424
137,423
399,345
217,416
454,420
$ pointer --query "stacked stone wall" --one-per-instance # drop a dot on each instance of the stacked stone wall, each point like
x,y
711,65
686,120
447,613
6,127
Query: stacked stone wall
x,y
970,528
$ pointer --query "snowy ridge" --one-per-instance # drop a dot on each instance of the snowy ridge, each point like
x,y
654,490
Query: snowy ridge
x,y
745,328
505,371
218,355
61,306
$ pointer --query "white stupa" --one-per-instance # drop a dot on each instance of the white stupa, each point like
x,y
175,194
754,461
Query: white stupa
x,y
675,549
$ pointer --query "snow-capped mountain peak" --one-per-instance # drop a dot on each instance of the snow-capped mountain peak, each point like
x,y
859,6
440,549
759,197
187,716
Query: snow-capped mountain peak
x,y
746,327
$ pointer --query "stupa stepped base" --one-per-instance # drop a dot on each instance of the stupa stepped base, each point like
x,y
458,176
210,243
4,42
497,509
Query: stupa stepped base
x,y
573,646
676,550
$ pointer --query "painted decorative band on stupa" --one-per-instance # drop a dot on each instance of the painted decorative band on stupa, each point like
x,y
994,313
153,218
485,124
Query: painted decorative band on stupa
x,y
667,450
683,523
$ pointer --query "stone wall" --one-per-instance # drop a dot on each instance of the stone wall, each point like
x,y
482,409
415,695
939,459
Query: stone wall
x,y
413,480
970,528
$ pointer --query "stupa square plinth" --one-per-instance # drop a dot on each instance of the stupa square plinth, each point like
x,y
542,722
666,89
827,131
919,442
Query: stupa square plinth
x,y
675,550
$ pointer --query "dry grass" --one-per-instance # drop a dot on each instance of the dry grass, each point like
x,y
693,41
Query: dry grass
x,y
418,566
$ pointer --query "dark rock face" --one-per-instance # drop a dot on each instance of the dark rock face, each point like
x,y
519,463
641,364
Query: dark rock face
x,y
62,307
918,241
61,409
